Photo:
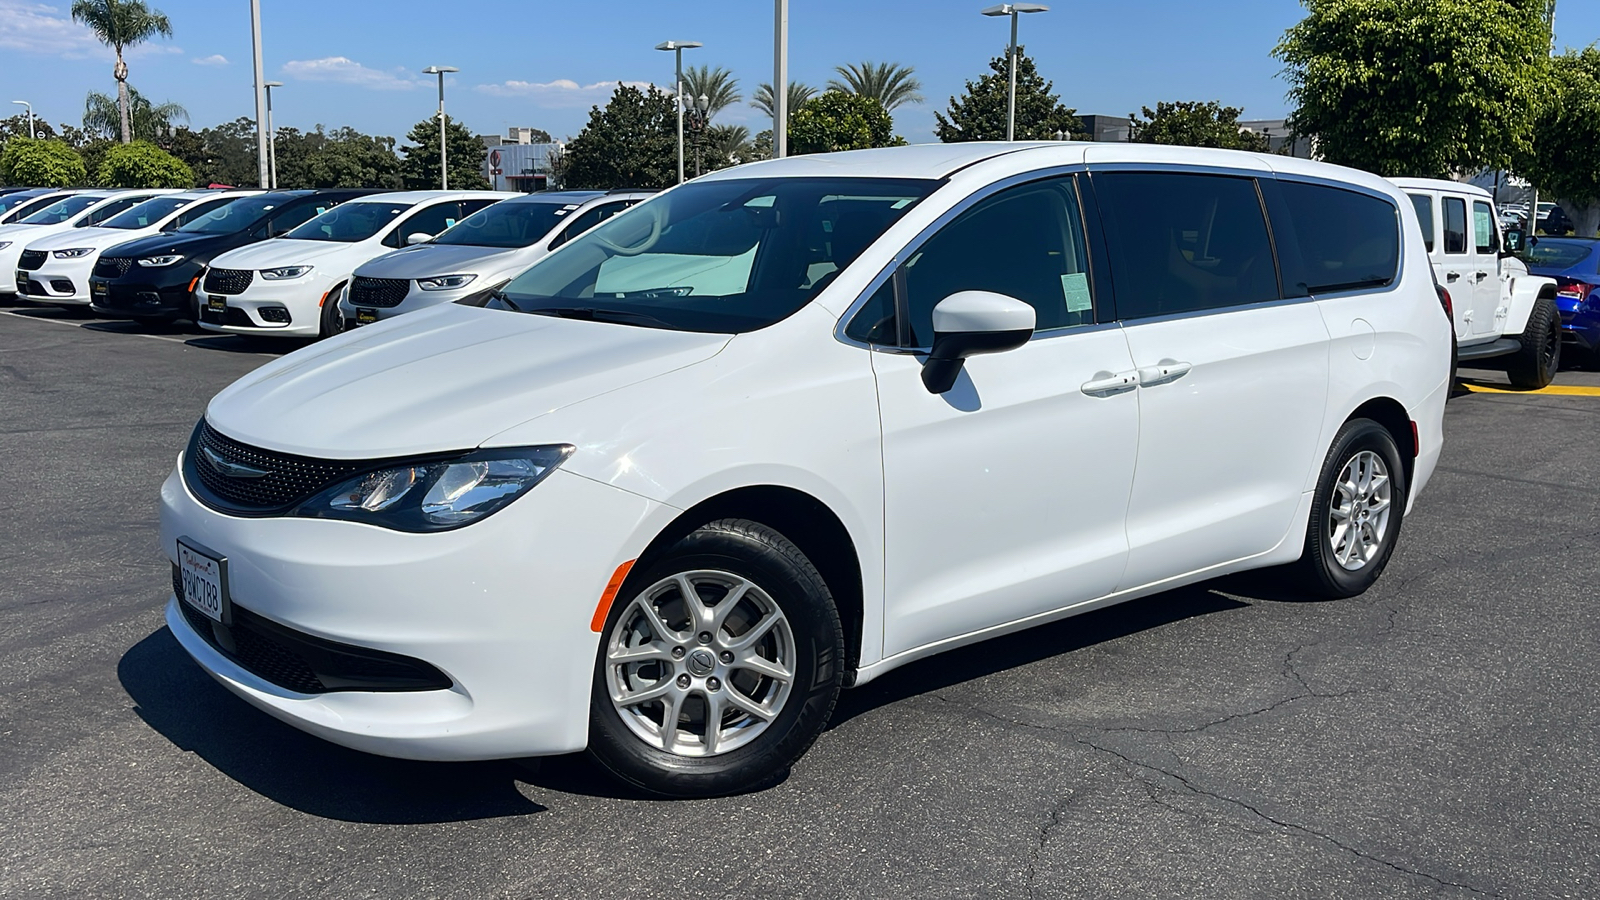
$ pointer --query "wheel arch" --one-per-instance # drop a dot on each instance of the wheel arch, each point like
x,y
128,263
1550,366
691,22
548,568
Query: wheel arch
x,y
1526,292
1392,415
810,525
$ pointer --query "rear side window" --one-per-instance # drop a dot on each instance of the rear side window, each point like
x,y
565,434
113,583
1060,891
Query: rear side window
x,y
1455,225
1424,205
1484,237
1185,243
1347,239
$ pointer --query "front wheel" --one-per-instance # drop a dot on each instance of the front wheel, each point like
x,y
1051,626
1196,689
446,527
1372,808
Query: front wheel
x,y
330,322
1356,513
719,665
1535,365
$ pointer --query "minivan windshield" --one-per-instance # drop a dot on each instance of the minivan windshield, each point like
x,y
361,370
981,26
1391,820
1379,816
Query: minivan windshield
x,y
722,256
61,210
147,213
234,217
349,222
514,223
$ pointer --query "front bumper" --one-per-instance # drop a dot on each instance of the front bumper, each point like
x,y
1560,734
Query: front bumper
x,y
502,607
64,282
125,297
414,300
1580,322
299,299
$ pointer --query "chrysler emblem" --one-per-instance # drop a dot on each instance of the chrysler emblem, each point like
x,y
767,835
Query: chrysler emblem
x,y
231,469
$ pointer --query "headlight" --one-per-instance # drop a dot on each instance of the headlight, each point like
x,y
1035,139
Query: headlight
x,y
438,495
74,253
445,282
156,262
285,273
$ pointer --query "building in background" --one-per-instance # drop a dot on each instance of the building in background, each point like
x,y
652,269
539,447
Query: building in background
x,y
1112,129
1279,139
516,163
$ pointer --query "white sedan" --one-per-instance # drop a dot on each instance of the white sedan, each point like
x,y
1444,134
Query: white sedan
x,y
281,287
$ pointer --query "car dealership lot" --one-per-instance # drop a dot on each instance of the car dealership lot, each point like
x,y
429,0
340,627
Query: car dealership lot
x,y
1434,737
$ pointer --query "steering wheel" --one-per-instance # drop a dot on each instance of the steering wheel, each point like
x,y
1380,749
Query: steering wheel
x,y
648,242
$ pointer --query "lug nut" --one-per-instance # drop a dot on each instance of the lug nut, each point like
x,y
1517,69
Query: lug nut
x,y
712,684
683,681
727,656
677,653
705,637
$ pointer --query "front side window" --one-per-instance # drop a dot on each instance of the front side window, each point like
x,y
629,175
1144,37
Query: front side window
x,y
722,256
1484,236
430,221
1455,225
1424,206
348,223
1347,240
1184,243
61,210
148,213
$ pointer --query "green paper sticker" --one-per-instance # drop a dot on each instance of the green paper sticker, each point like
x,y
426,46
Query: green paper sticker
x,y
1076,289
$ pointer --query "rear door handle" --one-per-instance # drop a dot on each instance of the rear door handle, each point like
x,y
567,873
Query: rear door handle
x,y
1452,276
1163,372
1106,385
1482,275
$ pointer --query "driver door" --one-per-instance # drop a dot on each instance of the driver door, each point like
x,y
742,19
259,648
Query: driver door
x,y
1005,497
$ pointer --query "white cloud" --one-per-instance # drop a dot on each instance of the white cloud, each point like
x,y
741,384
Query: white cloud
x,y
215,59
343,70
561,93
46,30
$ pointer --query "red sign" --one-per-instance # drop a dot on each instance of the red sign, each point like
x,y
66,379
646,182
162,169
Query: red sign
x,y
494,158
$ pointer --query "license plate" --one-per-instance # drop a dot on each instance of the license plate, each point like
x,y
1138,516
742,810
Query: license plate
x,y
216,303
204,577
366,316
99,288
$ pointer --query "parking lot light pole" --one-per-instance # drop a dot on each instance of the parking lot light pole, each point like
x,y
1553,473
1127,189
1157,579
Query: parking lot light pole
x,y
677,47
444,168
272,138
261,101
1012,9
30,116
780,81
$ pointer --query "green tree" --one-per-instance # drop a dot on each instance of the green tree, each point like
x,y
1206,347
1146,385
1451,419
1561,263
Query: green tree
x,y
41,163
17,126
632,142
1417,87
142,164
718,86
102,115
119,24
1564,161
343,157
798,94
836,120
891,84
980,113
420,168
727,145
227,154
1194,124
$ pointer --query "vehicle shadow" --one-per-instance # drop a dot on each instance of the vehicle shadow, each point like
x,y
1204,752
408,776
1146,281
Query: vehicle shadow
x,y
305,773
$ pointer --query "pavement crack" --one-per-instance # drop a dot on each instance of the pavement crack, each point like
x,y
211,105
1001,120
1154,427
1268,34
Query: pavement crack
x,y
1044,837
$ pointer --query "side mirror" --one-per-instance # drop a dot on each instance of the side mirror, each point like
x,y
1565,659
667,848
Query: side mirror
x,y
968,323
1513,238
417,237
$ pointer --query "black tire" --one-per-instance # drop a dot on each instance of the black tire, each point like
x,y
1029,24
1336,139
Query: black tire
x,y
1536,364
755,552
331,322
1319,573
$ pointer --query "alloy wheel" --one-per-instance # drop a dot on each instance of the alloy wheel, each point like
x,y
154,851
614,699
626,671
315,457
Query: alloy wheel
x,y
1358,516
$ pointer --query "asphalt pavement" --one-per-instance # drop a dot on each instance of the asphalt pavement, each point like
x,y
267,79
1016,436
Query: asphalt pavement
x,y
1436,737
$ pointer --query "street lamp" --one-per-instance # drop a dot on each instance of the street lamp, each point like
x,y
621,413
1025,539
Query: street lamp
x,y
780,80
272,138
444,170
699,116
1012,9
677,47
261,102
30,116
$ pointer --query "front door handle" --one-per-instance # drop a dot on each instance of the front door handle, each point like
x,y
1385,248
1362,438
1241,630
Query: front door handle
x,y
1482,275
1452,276
1163,372
1103,385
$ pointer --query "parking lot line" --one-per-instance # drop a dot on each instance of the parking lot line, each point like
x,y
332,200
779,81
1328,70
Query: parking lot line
x,y
156,337
1564,390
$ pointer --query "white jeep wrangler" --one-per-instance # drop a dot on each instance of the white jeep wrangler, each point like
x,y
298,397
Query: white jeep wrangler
x,y
1501,312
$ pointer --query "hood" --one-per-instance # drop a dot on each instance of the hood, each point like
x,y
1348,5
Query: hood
x,y
445,378
171,242
277,252
99,238
429,260
10,232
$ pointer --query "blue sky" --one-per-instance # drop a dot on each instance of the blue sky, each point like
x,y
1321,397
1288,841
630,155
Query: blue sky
x,y
525,62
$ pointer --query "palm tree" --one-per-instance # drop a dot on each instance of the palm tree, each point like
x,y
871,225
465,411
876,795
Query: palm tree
x,y
798,94
102,115
717,85
729,144
889,83
119,24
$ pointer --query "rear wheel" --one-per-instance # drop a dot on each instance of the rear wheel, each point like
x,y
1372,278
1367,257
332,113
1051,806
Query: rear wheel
x,y
1535,365
719,665
1356,514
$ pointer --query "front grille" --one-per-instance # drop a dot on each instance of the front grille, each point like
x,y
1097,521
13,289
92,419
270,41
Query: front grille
x,y
290,480
112,267
31,259
228,281
304,663
385,293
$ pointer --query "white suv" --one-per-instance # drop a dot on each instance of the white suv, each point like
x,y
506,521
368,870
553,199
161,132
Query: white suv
x,y
83,209
789,426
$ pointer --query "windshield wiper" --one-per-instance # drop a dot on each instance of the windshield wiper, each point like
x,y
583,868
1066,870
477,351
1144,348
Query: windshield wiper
x,y
595,314
500,296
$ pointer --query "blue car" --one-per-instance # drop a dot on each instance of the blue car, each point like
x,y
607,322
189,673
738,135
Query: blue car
x,y
1575,265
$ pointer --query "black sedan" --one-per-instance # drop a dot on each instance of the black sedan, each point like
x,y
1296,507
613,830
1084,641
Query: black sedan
x,y
152,279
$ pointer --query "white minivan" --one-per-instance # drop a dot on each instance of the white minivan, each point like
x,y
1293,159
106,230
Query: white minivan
x,y
791,425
